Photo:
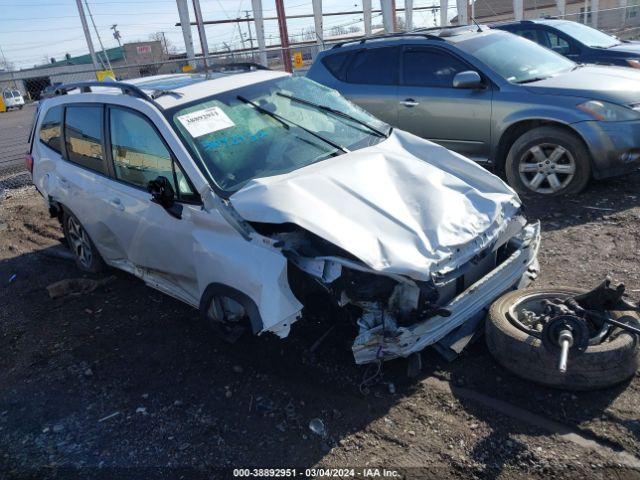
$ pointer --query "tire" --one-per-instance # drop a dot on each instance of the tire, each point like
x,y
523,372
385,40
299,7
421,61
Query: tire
x,y
226,317
84,251
572,157
599,366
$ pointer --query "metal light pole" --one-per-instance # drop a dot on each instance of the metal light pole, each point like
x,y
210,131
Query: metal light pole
x,y
284,36
258,18
87,34
185,22
201,33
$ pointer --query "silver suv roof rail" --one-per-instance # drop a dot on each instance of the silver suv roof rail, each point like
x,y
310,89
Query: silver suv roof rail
x,y
85,87
390,35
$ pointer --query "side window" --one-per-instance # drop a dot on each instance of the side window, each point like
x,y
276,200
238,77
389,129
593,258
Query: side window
x,y
430,68
376,66
83,136
140,155
556,43
51,129
529,34
335,64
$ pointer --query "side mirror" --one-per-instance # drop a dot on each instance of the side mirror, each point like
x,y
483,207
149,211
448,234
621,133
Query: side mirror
x,y
469,79
163,194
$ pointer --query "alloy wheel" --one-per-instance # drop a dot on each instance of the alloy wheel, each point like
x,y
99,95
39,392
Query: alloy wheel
x,y
79,242
547,168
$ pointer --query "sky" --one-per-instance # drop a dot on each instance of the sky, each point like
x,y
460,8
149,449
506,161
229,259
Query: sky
x,y
32,31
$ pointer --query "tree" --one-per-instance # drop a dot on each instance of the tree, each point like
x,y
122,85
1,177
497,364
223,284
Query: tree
x,y
169,48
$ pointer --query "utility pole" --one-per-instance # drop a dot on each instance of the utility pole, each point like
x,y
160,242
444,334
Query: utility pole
x,y
98,35
201,33
164,42
246,15
6,65
284,36
116,35
241,33
87,35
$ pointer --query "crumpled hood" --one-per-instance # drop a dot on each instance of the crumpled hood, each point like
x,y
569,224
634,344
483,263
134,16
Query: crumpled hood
x,y
405,206
609,83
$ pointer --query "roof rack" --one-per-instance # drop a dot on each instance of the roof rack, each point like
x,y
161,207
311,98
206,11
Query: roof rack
x,y
390,35
137,92
444,27
85,87
235,66
248,66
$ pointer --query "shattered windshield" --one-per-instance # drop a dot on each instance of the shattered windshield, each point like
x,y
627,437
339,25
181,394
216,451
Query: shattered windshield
x,y
262,130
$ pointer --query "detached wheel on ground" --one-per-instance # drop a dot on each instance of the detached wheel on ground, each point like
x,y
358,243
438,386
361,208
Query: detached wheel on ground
x,y
513,336
548,161
84,251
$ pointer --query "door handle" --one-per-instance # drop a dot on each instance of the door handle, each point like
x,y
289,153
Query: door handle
x,y
63,181
115,202
409,102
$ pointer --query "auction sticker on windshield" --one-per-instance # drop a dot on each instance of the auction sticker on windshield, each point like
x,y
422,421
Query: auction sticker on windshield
x,y
202,122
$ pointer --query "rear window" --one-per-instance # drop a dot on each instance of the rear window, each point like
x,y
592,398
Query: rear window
x,y
375,66
83,136
336,63
51,129
16,93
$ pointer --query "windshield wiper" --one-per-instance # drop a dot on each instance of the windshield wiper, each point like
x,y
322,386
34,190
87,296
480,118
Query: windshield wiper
x,y
335,112
287,123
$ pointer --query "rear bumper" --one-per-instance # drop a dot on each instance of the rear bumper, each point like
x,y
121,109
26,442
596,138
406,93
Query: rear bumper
x,y
515,272
614,146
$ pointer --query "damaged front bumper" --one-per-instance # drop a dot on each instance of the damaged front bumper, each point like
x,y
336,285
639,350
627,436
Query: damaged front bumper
x,y
517,271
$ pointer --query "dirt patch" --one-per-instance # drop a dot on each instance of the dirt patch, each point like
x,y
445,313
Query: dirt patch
x,y
125,382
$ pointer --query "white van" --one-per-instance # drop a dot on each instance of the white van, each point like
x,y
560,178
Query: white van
x,y
246,194
12,99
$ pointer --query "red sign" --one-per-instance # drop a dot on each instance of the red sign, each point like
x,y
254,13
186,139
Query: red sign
x,y
142,49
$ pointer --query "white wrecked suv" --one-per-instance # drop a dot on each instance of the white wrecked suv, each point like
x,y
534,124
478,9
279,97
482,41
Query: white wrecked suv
x,y
243,193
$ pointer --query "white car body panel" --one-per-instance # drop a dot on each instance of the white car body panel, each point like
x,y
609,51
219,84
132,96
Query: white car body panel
x,y
405,208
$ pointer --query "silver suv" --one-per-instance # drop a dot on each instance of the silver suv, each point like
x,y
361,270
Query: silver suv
x,y
247,195
549,124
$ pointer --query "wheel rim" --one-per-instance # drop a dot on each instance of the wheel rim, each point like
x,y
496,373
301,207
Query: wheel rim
x,y
225,311
527,314
547,168
80,244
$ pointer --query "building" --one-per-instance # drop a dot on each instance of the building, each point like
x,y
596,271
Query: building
x,y
131,60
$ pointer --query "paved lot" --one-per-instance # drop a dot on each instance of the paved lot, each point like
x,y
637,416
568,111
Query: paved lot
x,y
14,131
127,383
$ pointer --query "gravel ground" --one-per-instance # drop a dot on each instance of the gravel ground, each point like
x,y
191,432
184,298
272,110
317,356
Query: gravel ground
x,y
125,382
